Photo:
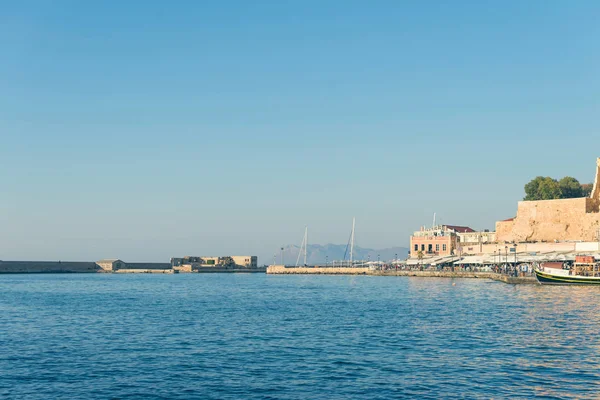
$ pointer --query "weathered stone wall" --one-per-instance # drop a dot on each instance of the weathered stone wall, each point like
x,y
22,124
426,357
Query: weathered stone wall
x,y
279,269
160,266
16,267
555,220
550,220
144,271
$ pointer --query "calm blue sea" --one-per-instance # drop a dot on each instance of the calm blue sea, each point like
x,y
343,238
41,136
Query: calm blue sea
x,y
253,336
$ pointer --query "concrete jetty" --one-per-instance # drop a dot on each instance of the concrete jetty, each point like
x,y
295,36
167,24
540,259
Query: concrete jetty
x,y
143,271
281,270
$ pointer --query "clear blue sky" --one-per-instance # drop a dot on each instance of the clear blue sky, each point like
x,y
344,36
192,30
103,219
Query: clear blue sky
x,y
149,129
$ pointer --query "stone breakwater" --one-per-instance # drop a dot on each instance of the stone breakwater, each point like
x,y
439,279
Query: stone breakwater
x,y
21,267
280,270
143,271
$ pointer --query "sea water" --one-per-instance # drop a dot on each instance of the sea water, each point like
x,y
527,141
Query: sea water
x,y
256,336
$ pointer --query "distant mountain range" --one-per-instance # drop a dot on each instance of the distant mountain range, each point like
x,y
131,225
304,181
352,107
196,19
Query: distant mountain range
x,y
318,254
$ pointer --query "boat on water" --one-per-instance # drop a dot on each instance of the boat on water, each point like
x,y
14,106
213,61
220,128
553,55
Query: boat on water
x,y
585,271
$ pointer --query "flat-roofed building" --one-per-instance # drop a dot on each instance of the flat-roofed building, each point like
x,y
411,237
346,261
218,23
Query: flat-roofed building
x,y
197,262
441,240
110,264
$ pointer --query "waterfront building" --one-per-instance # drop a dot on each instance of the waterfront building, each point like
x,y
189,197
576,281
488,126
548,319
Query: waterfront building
x,y
475,242
196,262
440,240
110,264
548,230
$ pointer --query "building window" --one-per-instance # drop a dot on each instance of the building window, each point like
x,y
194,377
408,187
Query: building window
x,y
422,247
437,247
444,247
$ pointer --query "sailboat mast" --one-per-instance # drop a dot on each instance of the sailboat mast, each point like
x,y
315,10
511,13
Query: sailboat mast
x,y
352,241
305,243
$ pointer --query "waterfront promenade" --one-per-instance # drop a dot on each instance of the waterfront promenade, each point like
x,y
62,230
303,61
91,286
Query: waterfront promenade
x,y
281,270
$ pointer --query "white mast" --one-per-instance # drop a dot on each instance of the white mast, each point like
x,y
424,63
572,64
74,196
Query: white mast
x,y
433,220
303,245
352,240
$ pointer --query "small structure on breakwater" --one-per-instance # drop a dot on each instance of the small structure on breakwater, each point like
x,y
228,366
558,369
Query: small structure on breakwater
x,y
117,265
208,264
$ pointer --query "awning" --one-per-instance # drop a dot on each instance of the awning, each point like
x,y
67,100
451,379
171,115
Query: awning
x,y
431,260
471,260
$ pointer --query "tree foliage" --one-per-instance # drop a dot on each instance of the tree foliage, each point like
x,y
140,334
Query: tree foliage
x,y
570,188
586,189
546,188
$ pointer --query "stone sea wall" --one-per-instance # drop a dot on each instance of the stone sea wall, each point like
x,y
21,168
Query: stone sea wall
x,y
19,267
144,271
279,269
144,266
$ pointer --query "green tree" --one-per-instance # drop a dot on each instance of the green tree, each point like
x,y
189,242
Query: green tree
x,y
542,188
549,189
532,187
546,188
570,188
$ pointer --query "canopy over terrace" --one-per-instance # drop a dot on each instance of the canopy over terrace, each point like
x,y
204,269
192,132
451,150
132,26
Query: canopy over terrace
x,y
473,260
521,258
432,261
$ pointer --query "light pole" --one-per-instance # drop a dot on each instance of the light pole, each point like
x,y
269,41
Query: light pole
x,y
282,263
326,260
506,253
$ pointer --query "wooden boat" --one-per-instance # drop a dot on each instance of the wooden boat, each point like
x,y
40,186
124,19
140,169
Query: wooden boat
x,y
585,271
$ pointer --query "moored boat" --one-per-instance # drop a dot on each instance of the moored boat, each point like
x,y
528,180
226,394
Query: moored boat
x,y
585,271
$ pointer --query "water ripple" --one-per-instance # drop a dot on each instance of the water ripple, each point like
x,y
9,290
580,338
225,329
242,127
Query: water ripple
x,y
220,336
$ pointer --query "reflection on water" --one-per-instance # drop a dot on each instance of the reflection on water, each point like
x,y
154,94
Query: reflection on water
x,y
257,336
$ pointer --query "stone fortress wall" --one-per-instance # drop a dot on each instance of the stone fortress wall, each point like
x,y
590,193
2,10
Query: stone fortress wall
x,y
16,267
555,220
